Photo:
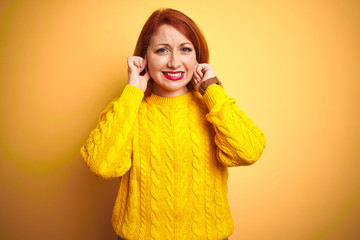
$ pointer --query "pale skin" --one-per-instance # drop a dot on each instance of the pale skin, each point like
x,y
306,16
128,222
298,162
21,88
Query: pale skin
x,y
168,52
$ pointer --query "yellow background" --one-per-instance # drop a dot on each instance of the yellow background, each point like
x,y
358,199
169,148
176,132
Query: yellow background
x,y
292,66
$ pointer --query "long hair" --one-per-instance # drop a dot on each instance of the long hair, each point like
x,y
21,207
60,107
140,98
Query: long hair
x,y
180,22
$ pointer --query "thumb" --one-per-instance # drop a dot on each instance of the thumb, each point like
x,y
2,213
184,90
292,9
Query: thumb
x,y
143,64
147,76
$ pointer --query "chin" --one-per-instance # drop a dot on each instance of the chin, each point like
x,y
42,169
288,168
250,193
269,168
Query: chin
x,y
172,86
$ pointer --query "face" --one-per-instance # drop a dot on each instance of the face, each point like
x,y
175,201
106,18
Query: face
x,y
171,59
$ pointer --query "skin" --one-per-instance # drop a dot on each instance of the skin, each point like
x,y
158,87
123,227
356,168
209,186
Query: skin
x,y
168,51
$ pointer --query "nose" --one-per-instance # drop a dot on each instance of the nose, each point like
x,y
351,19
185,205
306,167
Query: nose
x,y
174,61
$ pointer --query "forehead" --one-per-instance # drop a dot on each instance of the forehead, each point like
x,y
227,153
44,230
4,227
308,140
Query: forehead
x,y
168,34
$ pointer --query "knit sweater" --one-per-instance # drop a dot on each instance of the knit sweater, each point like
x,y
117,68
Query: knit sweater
x,y
172,154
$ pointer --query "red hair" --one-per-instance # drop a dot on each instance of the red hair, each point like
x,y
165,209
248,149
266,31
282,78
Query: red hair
x,y
180,22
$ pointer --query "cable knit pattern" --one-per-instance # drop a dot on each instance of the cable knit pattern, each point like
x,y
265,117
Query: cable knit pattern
x,y
143,174
169,176
208,157
155,175
196,174
171,155
184,149
234,149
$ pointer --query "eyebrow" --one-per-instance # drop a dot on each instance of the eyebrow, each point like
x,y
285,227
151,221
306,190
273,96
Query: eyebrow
x,y
167,44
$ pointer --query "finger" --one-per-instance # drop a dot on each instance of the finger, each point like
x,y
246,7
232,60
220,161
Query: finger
x,y
134,62
130,61
138,63
194,76
197,77
199,71
200,77
195,80
142,65
144,62
194,73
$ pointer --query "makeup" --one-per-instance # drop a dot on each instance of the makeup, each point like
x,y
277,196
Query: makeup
x,y
174,76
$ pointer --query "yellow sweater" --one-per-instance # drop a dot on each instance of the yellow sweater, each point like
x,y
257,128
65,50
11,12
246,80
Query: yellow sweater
x,y
171,155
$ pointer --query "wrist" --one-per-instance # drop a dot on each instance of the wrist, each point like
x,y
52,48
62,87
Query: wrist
x,y
208,82
134,81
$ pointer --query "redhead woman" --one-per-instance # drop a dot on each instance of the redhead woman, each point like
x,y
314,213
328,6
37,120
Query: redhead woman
x,y
170,138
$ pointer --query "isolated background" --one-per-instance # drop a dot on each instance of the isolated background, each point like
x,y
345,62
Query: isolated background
x,y
292,66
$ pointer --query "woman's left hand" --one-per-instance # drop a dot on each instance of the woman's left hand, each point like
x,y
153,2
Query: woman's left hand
x,y
202,72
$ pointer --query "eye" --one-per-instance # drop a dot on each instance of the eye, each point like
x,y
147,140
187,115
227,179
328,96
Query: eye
x,y
186,49
161,50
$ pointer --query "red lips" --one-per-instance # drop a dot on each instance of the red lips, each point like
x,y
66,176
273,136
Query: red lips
x,y
174,76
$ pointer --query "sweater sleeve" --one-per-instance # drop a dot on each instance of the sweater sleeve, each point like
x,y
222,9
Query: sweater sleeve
x,y
107,151
239,141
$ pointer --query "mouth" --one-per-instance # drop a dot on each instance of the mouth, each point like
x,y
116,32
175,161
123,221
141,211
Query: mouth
x,y
174,76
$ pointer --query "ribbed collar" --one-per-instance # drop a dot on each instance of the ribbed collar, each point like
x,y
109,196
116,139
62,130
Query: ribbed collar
x,y
159,100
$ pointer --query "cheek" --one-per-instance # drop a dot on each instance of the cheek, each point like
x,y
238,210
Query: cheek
x,y
190,60
152,66
155,63
190,64
153,72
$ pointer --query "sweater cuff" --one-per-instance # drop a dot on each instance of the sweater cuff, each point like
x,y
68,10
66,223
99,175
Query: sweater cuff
x,y
214,94
131,96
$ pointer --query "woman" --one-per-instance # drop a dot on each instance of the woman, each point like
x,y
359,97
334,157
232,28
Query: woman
x,y
170,137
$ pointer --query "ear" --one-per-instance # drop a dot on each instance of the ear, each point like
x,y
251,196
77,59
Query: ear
x,y
145,62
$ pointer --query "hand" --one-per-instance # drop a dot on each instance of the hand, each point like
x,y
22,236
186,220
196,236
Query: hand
x,y
135,66
202,72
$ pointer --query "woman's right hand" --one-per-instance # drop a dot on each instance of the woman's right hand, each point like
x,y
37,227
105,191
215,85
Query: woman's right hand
x,y
135,66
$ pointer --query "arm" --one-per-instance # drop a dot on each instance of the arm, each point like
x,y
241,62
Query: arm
x,y
107,151
239,141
